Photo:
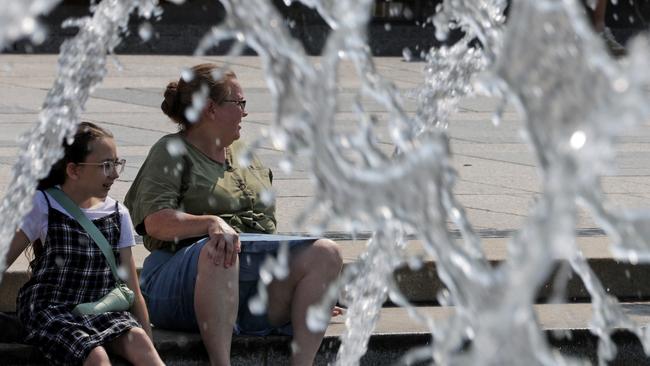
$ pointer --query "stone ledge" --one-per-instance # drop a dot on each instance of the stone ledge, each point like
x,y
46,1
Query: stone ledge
x,y
394,334
624,280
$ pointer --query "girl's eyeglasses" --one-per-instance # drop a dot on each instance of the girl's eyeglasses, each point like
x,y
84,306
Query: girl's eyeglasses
x,y
110,166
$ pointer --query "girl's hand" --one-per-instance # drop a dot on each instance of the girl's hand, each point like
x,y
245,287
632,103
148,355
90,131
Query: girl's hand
x,y
223,244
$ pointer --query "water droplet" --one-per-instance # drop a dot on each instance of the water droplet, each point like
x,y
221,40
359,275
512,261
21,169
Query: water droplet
x,y
408,13
578,139
415,263
395,9
122,273
279,139
28,25
245,157
549,28
267,197
621,84
294,347
145,31
187,75
318,318
496,119
199,100
387,27
286,165
407,54
256,305
176,147
385,212
633,257
454,213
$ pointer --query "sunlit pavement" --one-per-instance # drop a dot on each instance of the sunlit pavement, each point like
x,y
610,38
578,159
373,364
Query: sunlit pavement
x,y
497,182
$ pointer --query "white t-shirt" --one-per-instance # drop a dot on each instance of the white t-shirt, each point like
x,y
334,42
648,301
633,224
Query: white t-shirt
x,y
35,223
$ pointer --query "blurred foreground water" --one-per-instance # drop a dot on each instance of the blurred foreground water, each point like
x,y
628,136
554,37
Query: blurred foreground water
x,y
545,60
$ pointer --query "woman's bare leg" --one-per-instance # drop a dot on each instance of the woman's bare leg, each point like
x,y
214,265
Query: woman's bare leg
x,y
136,347
311,271
216,298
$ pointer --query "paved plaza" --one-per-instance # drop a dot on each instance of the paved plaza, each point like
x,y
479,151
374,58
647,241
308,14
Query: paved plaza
x,y
498,177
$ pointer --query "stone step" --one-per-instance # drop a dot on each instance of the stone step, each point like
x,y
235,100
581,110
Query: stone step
x,y
622,279
566,326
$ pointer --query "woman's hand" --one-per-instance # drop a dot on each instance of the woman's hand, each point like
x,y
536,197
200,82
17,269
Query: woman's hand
x,y
223,245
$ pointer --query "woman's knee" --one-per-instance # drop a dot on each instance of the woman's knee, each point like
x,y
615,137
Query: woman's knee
x,y
326,254
211,277
207,265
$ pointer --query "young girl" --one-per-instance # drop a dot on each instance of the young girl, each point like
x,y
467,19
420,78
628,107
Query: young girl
x,y
69,268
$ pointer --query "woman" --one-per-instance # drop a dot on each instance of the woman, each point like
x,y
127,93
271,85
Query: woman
x,y
192,185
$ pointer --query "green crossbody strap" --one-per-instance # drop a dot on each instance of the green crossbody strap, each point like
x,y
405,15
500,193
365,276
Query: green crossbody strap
x,y
90,228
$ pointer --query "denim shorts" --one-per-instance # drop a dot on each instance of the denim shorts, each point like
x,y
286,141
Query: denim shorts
x,y
167,281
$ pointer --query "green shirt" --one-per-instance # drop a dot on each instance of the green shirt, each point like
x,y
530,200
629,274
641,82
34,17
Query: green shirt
x,y
177,175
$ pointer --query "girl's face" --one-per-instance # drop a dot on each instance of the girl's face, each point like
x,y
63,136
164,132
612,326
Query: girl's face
x,y
92,179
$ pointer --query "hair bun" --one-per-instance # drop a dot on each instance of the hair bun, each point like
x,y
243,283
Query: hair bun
x,y
170,101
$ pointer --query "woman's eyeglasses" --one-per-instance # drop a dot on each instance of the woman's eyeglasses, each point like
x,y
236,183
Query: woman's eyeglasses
x,y
240,103
110,166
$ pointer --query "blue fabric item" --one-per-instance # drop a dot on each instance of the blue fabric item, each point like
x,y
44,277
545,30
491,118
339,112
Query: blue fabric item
x,y
167,282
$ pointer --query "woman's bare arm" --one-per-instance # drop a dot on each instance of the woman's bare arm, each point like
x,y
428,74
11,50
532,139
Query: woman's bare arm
x,y
169,224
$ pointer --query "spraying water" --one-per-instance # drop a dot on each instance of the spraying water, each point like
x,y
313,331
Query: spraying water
x,y
544,60
81,67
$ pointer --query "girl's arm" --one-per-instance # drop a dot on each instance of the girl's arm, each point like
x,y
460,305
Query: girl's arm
x,y
17,246
139,308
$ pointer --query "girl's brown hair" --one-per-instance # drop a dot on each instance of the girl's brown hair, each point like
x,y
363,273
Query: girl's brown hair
x,y
76,152
178,94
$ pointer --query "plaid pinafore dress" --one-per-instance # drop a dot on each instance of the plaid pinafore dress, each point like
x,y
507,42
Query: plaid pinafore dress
x,y
71,270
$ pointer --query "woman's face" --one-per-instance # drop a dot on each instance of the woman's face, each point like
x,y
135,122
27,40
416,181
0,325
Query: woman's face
x,y
229,113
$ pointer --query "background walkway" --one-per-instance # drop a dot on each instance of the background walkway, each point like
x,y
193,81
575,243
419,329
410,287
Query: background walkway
x,y
498,178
